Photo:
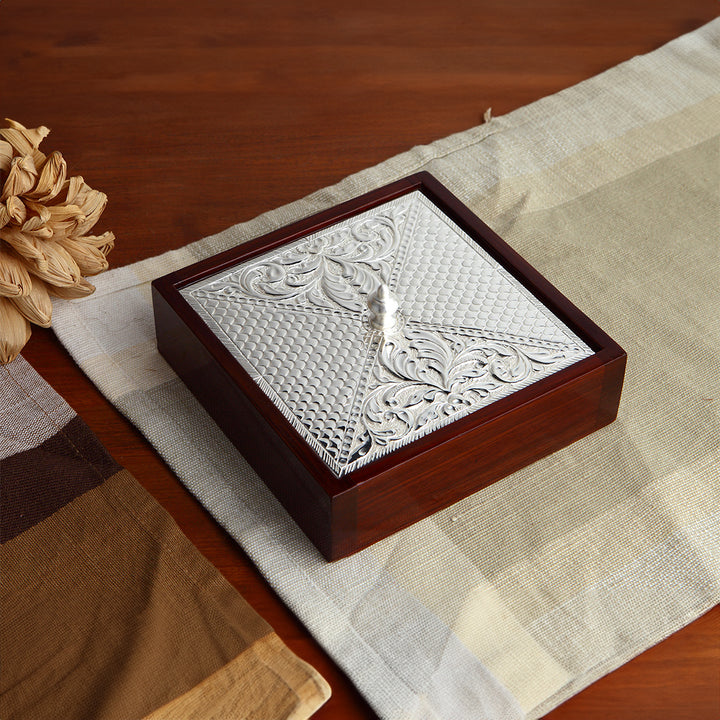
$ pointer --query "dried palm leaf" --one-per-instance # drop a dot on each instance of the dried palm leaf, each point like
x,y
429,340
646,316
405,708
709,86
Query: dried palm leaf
x,y
44,246
15,331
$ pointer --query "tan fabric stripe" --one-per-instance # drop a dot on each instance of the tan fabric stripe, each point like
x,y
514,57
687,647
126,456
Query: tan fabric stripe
x,y
593,167
121,611
265,681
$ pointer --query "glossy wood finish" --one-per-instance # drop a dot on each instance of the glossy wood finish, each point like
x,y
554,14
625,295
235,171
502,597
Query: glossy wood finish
x,y
194,117
342,515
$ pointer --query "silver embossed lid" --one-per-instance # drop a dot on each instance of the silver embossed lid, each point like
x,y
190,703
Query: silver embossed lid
x,y
380,329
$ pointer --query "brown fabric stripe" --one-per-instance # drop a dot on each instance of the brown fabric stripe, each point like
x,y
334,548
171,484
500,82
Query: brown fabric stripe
x,y
265,681
37,482
108,611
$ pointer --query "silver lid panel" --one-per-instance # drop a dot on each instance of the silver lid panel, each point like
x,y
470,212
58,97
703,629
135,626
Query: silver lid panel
x,y
378,330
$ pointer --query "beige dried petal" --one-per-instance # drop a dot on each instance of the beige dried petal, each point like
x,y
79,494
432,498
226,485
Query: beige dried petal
x,y
90,259
57,266
60,220
14,331
32,135
11,233
16,209
67,212
14,278
92,203
24,244
41,216
19,143
6,155
36,306
4,215
44,232
33,223
105,242
21,177
25,141
51,178
69,215
82,288
72,187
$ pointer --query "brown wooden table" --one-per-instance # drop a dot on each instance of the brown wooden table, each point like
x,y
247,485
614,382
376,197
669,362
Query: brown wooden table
x,y
194,116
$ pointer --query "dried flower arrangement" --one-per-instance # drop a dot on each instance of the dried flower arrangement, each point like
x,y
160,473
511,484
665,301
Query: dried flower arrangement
x,y
44,248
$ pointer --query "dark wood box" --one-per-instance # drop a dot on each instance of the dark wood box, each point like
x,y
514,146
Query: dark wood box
x,y
343,513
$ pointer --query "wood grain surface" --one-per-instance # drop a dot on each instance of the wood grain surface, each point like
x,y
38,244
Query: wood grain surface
x,y
195,116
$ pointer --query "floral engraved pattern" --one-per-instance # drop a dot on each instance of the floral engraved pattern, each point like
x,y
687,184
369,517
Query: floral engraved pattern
x,y
467,333
335,270
432,377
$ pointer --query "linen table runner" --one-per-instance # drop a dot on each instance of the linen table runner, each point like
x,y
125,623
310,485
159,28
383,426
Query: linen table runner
x,y
108,610
514,599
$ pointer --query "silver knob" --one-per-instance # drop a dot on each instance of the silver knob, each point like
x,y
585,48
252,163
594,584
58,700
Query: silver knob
x,y
383,309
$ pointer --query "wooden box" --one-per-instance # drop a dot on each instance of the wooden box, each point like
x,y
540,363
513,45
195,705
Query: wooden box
x,y
383,359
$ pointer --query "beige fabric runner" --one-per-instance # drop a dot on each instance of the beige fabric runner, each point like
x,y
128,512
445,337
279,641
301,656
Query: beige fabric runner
x,y
509,602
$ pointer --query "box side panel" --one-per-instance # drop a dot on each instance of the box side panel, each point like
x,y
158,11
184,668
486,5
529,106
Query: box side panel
x,y
433,480
247,429
344,539
612,385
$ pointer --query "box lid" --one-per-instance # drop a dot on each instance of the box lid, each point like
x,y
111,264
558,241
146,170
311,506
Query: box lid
x,y
379,329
